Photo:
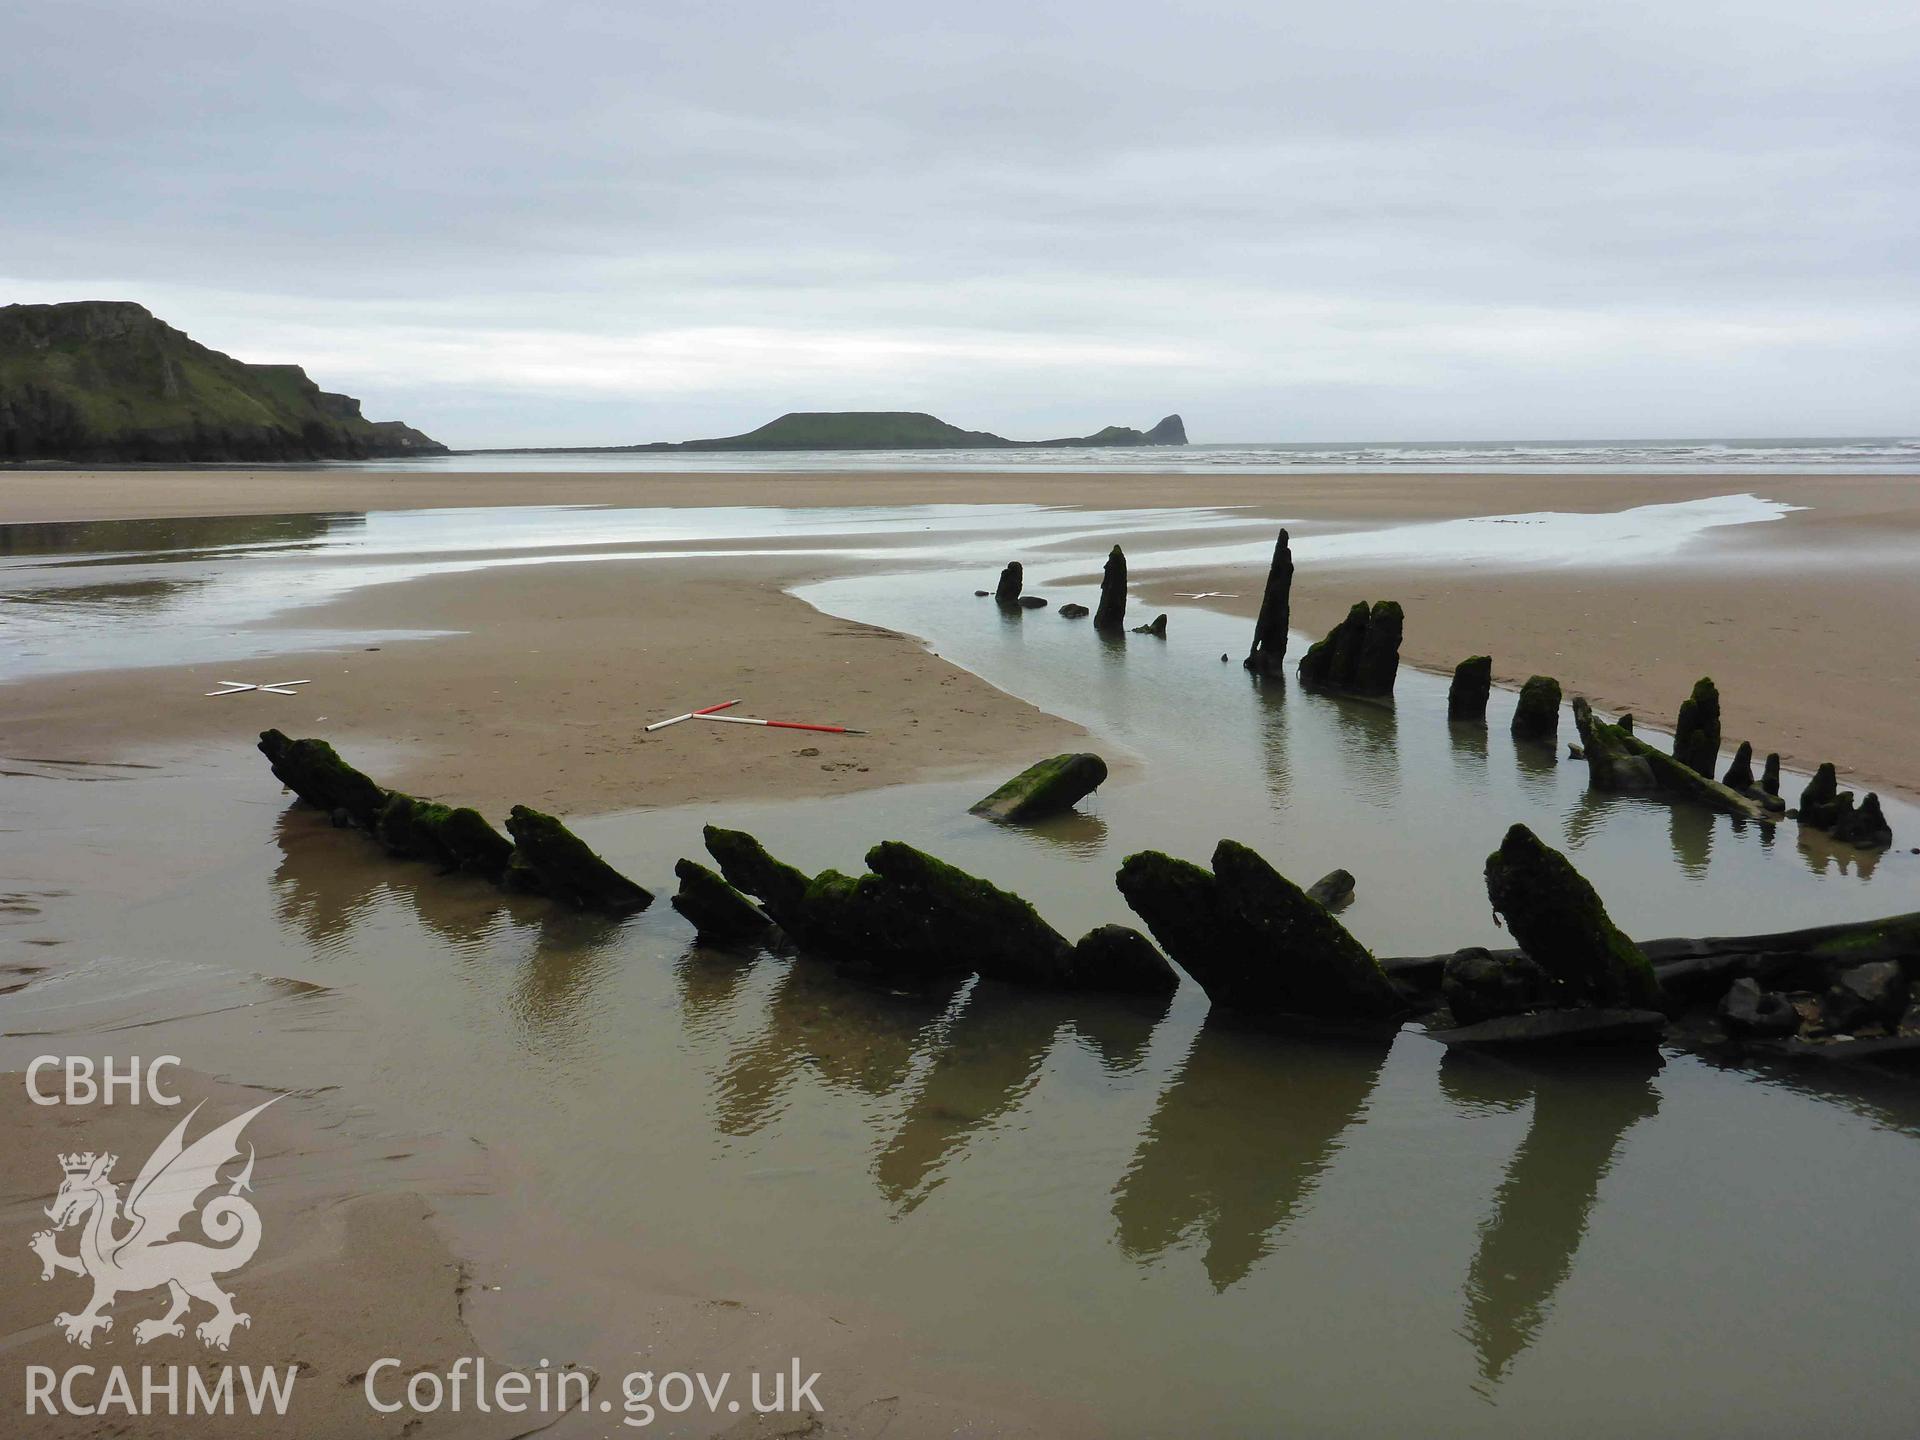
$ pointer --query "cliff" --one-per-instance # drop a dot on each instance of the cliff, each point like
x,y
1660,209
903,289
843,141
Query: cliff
x,y
900,430
103,380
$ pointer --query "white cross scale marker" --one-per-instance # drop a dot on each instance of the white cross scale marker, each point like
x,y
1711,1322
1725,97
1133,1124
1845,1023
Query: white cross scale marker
x,y
240,687
1208,595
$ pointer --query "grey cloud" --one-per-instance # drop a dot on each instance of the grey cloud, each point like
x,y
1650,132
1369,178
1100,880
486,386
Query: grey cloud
x,y
1365,220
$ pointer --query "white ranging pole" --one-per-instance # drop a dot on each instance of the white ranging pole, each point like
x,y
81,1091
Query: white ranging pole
x,y
675,720
240,687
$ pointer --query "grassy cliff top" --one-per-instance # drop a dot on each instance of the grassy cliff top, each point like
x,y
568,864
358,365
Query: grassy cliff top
x,y
106,380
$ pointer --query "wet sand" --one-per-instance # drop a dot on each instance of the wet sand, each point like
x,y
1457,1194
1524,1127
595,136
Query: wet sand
x,y
543,696
1809,624
351,1274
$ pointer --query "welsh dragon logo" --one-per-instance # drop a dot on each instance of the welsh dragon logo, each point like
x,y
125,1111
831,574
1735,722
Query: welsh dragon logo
x,y
133,1248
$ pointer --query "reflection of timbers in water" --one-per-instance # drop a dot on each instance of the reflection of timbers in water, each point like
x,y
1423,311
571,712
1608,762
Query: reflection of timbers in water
x,y
988,1060
1581,1112
1239,1139
853,1034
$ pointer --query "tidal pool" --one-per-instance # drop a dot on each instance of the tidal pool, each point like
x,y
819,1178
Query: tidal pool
x,y
1176,1224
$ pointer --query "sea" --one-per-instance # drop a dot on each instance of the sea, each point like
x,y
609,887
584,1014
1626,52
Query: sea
x,y
1883,455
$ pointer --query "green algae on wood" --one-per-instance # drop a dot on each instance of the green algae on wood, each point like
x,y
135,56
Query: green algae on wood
x,y
1361,654
475,846
1618,761
959,921
747,866
1558,919
1322,969
409,827
1251,939
1614,766
1329,661
1472,684
1696,734
567,867
1537,716
314,771
1378,663
718,911
457,837
1045,788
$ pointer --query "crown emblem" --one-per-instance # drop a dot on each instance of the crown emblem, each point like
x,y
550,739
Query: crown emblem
x,y
80,1163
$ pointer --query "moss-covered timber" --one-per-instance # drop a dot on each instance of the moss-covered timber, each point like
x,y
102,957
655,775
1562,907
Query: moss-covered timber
x,y
1115,957
1537,716
952,921
1739,776
1012,580
1324,970
1378,663
1621,762
1046,788
717,910
1820,801
1557,918
1111,616
1276,601
1472,684
457,837
1330,661
1251,939
314,771
567,867
1696,733
747,866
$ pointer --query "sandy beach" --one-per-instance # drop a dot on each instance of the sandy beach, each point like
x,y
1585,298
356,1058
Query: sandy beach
x,y
1808,624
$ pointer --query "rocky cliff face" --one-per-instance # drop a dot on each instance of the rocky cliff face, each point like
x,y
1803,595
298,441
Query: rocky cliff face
x,y
103,380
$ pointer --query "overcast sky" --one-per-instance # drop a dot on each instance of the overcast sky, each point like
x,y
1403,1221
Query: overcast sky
x,y
599,223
